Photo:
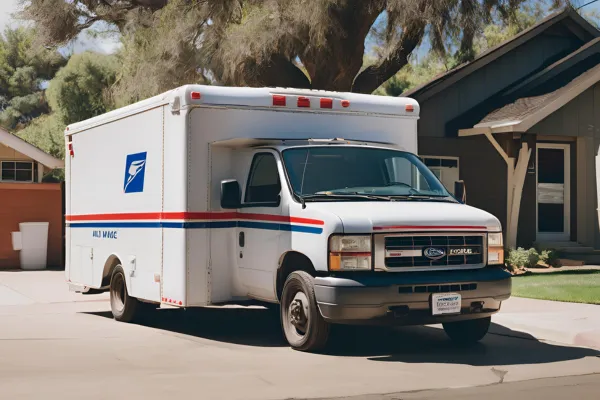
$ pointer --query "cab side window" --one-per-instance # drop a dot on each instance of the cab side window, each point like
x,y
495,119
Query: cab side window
x,y
263,182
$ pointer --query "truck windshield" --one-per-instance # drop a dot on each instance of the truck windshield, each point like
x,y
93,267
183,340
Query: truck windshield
x,y
334,170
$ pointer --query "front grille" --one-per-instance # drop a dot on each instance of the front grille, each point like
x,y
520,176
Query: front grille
x,y
410,251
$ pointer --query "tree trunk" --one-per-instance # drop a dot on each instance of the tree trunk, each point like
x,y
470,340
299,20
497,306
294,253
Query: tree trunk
x,y
373,76
335,65
281,72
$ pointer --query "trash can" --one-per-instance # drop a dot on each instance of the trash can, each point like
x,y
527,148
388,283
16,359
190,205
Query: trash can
x,y
32,241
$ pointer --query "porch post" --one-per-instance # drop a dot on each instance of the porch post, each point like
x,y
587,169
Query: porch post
x,y
510,169
518,181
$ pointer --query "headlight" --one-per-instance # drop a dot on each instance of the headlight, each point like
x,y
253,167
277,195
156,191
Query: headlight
x,y
350,253
495,248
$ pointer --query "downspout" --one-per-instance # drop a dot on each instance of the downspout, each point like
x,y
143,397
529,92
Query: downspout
x,y
510,164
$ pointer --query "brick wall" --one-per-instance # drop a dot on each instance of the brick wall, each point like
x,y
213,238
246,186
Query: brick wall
x,y
36,202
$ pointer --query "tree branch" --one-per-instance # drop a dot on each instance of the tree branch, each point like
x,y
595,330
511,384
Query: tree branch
x,y
375,75
279,71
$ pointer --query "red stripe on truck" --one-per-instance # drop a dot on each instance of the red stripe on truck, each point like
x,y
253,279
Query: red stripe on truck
x,y
193,216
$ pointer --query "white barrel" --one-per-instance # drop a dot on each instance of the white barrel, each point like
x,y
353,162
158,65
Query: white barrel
x,y
34,245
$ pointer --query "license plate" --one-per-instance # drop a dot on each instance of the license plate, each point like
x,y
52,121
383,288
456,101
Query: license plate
x,y
445,303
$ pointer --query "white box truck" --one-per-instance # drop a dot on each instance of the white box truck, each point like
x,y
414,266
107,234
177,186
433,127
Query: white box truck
x,y
313,200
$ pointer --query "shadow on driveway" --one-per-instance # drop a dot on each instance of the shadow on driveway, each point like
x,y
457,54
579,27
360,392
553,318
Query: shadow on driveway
x,y
422,344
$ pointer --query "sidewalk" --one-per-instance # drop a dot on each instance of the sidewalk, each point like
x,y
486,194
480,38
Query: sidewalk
x,y
20,288
568,323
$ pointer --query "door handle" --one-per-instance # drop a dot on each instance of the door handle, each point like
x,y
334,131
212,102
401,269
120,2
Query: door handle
x,y
242,239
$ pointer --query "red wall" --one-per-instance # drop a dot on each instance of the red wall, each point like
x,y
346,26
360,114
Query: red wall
x,y
35,202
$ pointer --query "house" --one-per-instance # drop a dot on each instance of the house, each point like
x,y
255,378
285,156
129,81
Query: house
x,y
25,198
520,125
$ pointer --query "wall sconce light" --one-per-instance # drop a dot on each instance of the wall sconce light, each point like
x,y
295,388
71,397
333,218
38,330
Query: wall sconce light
x,y
531,167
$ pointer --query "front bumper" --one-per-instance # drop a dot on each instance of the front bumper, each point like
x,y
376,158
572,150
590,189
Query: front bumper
x,y
405,298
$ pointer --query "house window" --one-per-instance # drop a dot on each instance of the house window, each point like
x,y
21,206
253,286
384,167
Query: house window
x,y
445,168
16,171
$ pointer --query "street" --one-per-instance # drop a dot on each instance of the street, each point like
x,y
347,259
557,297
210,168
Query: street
x,y
61,345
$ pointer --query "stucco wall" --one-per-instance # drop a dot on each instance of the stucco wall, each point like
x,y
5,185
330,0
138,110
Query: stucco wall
x,y
30,203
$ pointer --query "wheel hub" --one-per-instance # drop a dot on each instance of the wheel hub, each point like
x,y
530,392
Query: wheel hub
x,y
298,311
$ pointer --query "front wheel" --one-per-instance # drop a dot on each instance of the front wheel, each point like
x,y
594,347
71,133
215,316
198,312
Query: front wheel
x,y
303,326
468,332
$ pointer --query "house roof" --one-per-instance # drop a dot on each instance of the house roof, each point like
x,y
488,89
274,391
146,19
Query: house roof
x,y
18,144
575,22
525,112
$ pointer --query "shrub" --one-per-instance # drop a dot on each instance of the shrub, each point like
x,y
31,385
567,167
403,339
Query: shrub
x,y
550,258
521,258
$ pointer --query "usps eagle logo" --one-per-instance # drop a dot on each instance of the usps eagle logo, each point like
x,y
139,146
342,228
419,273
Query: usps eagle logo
x,y
135,169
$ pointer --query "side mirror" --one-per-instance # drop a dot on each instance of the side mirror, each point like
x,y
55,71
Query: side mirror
x,y
460,192
231,195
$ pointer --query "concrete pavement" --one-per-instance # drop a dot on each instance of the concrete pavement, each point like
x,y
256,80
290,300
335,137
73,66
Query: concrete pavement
x,y
60,345
569,323
584,387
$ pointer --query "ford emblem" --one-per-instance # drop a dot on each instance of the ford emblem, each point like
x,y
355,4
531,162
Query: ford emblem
x,y
434,253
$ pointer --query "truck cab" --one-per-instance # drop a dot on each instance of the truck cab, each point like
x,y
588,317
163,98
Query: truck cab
x,y
364,233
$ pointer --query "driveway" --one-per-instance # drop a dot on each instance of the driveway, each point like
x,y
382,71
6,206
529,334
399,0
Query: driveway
x,y
59,345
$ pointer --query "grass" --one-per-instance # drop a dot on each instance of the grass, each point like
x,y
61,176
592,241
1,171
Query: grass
x,y
572,286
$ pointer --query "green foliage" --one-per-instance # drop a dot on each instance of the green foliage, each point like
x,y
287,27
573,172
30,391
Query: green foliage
x,y
161,56
24,67
80,90
46,133
495,33
415,74
521,258
550,258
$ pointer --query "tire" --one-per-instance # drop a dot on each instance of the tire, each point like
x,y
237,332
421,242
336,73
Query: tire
x,y
468,332
124,307
309,331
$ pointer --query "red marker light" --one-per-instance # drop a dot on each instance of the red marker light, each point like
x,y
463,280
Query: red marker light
x,y
326,103
71,152
303,101
196,95
345,103
409,108
278,100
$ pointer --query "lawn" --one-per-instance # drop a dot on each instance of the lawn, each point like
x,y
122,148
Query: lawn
x,y
572,286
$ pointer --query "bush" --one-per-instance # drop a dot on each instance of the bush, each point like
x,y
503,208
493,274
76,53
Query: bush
x,y
550,258
521,258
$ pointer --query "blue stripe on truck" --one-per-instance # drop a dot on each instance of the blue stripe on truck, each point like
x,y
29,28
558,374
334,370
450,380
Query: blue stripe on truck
x,y
201,225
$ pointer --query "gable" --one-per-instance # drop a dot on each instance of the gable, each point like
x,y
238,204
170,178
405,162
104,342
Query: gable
x,y
10,154
567,23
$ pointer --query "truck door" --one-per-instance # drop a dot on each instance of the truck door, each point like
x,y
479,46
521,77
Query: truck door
x,y
258,226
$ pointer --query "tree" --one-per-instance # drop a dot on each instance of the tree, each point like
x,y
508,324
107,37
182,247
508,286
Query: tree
x,y
46,133
433,63
160,56
80,90
24,67
299,43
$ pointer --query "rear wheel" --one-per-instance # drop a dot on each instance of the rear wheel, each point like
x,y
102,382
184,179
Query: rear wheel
x,y
124,307
468,332
303,326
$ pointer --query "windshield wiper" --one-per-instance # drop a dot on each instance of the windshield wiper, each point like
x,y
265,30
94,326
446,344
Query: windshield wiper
x,y
346,196
397,184
429,197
